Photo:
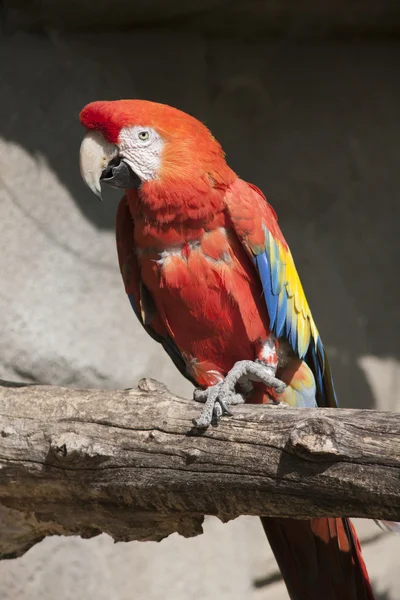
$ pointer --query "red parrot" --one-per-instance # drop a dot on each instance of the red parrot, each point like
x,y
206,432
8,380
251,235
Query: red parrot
x,y
210,276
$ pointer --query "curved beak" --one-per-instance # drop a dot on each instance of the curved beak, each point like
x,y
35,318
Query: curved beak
x,y
100,162
95,155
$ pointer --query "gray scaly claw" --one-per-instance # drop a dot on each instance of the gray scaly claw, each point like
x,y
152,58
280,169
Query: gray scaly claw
x,y
216,403
220,397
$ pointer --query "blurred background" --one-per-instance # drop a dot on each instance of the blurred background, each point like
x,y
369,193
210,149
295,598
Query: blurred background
x,y
304,96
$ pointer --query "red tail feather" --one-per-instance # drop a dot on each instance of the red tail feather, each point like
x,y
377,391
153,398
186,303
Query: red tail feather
x,y
319,559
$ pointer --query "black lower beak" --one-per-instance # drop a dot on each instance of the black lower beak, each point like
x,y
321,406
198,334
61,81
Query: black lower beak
x,y
119,174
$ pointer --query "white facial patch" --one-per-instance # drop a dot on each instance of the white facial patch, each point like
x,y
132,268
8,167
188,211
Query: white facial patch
x,y
141,148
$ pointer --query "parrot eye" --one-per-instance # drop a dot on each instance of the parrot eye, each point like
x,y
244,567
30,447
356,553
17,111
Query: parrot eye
x,y
143,136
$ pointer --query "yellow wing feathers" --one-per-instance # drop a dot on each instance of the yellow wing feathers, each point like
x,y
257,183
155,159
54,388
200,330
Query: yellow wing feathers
x,y
288,308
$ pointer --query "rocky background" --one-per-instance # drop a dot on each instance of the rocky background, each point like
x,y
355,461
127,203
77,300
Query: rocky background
x,y
306,104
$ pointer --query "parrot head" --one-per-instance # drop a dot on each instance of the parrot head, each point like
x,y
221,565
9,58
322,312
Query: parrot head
x,y
134,143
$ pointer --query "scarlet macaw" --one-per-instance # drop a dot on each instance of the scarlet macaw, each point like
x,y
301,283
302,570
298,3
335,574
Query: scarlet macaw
x,y
210,276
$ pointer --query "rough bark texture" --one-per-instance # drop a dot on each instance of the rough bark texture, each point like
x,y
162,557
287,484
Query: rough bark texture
x,y
128,463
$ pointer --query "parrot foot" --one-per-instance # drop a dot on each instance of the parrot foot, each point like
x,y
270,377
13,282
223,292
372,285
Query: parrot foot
x,y
218,398
216,403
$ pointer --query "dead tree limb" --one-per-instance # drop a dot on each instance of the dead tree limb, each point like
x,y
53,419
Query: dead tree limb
x,y
128,463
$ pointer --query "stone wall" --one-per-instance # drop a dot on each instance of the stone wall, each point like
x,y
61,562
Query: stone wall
x,y
243,18
316,126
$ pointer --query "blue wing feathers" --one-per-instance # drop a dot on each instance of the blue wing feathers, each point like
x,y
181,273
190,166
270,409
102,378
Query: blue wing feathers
x,y
293,336
284,316
282,310
265,276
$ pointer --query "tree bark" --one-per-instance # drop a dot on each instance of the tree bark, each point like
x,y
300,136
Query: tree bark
x,y
130,463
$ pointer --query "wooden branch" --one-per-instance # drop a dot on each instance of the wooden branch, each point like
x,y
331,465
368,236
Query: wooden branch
x,y
128,463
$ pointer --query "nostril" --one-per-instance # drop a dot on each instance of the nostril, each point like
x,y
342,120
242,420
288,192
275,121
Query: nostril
x,y
108,172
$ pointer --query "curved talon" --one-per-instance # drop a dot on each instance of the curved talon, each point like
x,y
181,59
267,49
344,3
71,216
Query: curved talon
x,y
224,407
218,411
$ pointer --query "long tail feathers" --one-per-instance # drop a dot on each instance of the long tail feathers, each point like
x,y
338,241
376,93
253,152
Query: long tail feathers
x,y
319,559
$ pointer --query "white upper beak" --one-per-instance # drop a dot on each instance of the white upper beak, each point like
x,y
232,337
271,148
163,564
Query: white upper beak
x,y
95,154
